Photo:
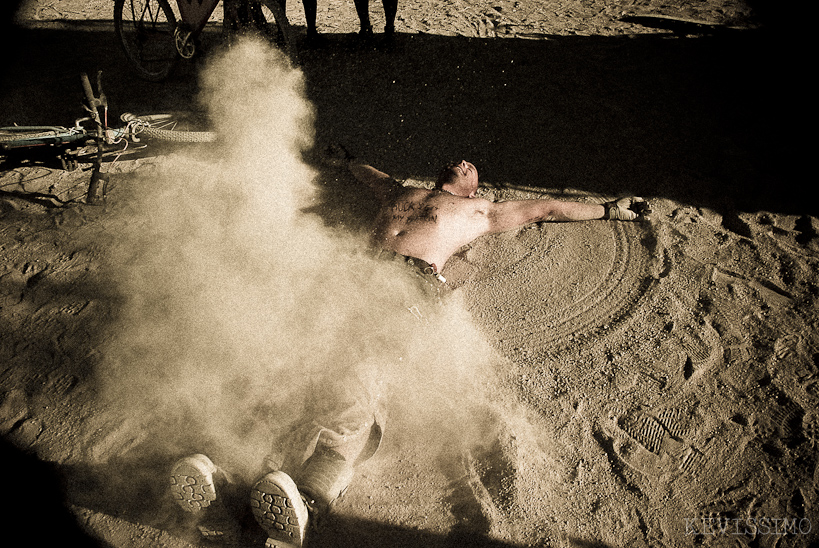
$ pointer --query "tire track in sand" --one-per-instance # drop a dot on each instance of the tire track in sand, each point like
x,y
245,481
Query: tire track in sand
x,y
555,285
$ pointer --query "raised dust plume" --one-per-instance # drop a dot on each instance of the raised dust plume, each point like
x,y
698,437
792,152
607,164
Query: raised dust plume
x,y
238,306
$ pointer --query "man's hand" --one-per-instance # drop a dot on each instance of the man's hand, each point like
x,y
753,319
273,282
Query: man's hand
x,y
627,209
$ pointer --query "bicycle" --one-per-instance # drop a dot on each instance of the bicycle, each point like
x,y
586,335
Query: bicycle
x,y
67,143
153,39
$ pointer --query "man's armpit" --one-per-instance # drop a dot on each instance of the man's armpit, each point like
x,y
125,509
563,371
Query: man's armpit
x,y
387,188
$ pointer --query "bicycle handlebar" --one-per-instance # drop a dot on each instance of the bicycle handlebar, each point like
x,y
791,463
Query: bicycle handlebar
x,y
89,93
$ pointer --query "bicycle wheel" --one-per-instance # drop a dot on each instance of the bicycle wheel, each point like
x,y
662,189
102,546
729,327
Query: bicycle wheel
x,y
167,127
145,29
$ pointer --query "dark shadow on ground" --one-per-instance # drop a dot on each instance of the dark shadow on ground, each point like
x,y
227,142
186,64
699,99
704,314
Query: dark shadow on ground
x,y
341,531
693,119
34,503
135,490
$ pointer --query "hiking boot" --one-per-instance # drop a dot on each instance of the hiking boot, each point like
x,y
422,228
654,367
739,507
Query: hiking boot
x,y
277,505
324,477
193,482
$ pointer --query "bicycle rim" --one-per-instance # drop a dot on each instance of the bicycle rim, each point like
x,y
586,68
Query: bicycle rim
x,y
145,29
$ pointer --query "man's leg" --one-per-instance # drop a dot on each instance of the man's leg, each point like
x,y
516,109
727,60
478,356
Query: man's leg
x,y
344,430
347,442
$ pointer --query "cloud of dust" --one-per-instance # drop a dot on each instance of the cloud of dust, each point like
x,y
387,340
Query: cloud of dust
x,y
238,306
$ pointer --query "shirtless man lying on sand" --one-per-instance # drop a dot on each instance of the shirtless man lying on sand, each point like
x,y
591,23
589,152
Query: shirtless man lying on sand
x,y
428,226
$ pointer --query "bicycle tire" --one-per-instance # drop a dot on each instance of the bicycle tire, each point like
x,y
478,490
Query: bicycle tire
x,y
7,136
145,30
180,136
171,135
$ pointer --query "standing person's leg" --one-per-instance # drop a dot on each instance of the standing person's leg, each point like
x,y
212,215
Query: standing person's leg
x,y
310,9
362,8
390,11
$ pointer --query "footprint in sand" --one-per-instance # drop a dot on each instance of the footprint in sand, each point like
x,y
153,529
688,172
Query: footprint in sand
x,y
13,410
661,435
61,384
795,366
724,515
702,344
810,428
646,431
770,293
781,419
787,346
26,433
693,462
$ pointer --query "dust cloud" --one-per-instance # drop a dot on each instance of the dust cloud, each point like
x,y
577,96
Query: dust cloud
x,y
238,306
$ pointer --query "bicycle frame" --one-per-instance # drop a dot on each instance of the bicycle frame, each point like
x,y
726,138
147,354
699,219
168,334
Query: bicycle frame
x,y
66,144
195,13
59,136
36,136
154,34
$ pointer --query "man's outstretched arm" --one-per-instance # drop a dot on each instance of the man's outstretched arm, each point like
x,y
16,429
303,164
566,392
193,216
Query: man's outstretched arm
x,y
516,213
380,183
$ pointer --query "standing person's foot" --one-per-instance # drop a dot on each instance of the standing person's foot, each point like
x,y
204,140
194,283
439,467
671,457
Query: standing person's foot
x,y
365,34
388,40
278,507
193,485
314,40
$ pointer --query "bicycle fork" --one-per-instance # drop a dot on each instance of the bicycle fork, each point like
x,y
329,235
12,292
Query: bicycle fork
x,y
92,105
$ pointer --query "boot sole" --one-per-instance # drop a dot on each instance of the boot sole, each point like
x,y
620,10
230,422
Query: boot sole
x,y
277,506
192,485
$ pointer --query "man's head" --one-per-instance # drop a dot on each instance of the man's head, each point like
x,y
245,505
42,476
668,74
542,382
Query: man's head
x,y
460,179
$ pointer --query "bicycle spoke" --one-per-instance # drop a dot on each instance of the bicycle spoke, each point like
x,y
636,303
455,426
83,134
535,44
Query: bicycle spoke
x,y
146,31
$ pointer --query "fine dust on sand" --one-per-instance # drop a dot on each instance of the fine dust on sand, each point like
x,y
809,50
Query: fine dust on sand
x,y
235,301
612,384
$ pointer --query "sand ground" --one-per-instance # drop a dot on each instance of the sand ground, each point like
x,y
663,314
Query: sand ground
x,y
653,384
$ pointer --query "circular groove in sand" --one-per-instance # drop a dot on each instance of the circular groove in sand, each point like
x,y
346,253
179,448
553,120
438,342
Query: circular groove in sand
x,y
591,278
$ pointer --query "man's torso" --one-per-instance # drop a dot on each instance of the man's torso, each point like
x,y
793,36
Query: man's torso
x,y
429,224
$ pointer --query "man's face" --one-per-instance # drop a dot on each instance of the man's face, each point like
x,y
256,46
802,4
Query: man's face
x,y
464,176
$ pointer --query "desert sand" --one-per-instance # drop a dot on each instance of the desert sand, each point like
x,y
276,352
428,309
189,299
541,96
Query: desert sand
x,y
585,384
